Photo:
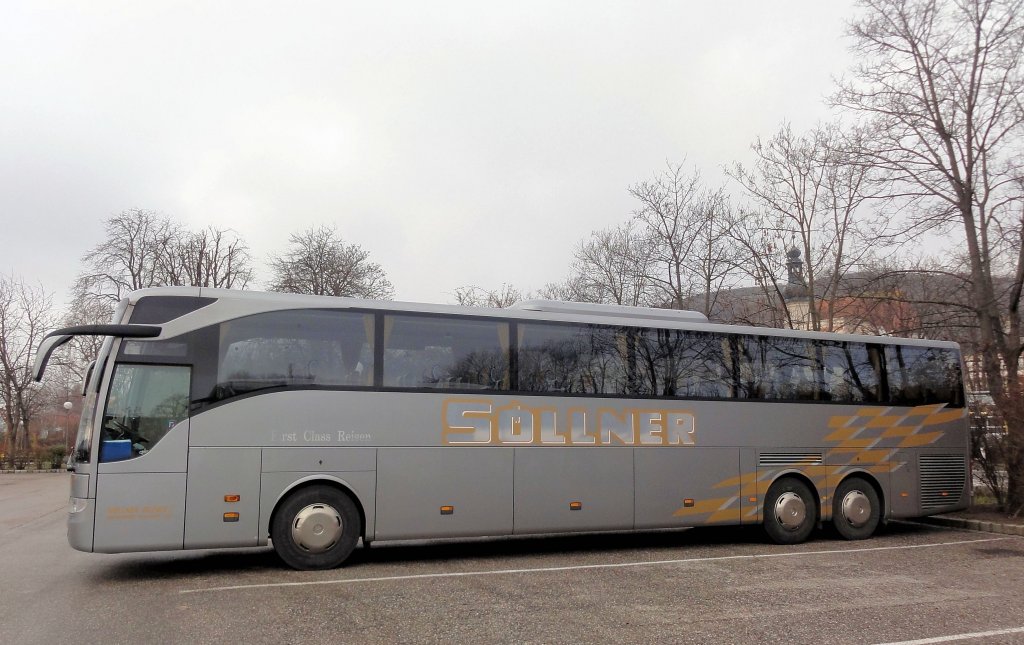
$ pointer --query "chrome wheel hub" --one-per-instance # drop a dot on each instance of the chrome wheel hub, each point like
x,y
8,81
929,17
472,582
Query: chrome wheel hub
x,y
856,508
790,510
317,528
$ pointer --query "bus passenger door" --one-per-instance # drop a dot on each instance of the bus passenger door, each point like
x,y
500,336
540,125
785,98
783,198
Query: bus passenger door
x,y
143,449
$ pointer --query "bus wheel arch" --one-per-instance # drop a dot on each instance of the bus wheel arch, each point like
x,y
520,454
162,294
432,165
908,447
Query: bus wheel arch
x,y
857,506
316,524
327,480
791,509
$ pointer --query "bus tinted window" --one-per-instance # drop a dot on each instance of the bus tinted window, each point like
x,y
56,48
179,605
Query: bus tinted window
x,y
335,348
922,375
683,363
851,372
574,359
778,368
299,348
434,352
160,309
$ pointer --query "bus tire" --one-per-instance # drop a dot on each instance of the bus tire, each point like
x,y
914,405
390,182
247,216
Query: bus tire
x,y
856,509
790,512
315,527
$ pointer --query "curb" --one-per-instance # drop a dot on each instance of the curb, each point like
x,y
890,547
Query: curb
x,y
18,472
974,525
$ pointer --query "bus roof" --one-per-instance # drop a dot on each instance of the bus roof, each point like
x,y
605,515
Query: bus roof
x,y
535,310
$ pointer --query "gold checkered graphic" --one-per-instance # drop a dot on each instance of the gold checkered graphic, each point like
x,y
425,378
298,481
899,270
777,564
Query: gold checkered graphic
x,y
868,440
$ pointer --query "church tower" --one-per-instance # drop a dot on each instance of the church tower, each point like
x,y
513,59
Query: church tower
x,y
796,285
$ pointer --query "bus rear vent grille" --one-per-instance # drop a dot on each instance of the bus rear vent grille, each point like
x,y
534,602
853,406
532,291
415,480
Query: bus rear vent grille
x,y
942,480
789,459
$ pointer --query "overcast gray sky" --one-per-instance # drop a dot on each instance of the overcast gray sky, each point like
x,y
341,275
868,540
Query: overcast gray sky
x,y
460,143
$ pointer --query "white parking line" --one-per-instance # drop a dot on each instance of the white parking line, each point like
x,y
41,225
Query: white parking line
x,y
582,567
959,637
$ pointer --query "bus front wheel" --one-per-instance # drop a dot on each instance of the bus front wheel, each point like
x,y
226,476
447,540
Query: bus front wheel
x,y
789,511
316,527
856,510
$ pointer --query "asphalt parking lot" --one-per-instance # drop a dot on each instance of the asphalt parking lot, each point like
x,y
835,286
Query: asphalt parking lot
x,y
910,583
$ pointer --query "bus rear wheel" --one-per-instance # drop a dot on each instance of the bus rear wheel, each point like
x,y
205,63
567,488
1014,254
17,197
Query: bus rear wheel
x,y
789,511
316,527
856,510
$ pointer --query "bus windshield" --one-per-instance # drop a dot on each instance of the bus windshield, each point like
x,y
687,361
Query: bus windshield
x,y
93,377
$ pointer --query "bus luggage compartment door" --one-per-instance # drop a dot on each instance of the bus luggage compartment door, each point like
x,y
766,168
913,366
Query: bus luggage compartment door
x,y
573,489
443,492
222,506
687,486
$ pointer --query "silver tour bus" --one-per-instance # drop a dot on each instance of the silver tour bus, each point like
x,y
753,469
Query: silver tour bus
x,y
219,418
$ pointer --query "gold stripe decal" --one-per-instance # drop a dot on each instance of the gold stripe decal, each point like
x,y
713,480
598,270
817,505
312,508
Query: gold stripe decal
x,y
868,441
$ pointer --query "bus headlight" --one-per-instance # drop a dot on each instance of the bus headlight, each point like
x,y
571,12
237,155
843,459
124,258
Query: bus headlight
x,y
77,505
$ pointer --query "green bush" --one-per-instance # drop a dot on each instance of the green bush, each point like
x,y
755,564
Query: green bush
x,y
56,456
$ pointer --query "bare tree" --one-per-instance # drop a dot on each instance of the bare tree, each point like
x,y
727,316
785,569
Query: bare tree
x,y
572,289
760,255
472,296
133,255
683,220
714,255
811,187
614,266
941,84
674,252
318,262
925,297
214,257
26,314
81,350
144,249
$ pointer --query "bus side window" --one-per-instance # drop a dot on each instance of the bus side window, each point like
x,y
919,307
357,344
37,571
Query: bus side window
x,y
296,349
446,353
684,364
749,364
144,403
550,357
851,372
922,375
583,359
